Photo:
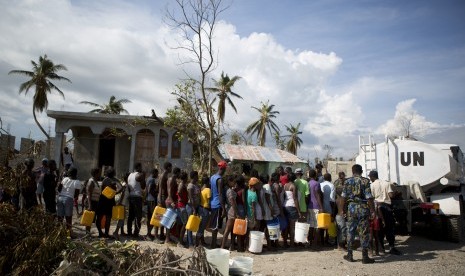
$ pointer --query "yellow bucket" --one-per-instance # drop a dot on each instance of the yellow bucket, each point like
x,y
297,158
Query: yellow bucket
x,y
87,218
109,192
117,212
193,223
157,215
324,219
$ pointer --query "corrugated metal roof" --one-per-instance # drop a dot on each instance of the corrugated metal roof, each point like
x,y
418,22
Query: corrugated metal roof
x,y
257,153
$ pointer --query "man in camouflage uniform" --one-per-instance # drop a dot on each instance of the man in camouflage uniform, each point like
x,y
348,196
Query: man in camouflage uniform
x,y
357,194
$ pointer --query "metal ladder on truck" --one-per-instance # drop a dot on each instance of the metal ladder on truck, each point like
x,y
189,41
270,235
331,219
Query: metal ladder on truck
x,y
367,152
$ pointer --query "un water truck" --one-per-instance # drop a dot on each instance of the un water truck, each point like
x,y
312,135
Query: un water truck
x,y
430,178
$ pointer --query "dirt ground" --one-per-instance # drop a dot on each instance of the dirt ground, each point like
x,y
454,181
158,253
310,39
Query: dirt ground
x,y
422,256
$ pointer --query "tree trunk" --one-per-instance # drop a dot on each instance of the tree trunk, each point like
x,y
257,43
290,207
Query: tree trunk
x,y
47,153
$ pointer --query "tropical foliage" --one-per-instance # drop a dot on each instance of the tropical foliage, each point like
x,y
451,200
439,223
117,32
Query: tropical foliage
x,y
112,107
41,76
259,127
223,90
294,142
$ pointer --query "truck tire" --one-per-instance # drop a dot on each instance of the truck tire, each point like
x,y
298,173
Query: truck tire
x,y
454,229
456,225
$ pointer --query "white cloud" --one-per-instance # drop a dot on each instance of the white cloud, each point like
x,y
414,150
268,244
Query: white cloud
x,y
407,121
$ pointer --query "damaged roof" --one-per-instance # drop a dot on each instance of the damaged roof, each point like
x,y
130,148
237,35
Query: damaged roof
x,y
257,153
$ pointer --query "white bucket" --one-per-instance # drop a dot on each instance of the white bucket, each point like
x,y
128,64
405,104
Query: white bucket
x,y
244,263
256,241
274,231
219,258
301,232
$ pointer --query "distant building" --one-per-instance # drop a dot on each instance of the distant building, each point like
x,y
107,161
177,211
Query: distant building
x,y
102,140
7,144
335,167
262,159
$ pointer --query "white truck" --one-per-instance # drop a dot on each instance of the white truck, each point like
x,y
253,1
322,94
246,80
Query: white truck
x,y
430,177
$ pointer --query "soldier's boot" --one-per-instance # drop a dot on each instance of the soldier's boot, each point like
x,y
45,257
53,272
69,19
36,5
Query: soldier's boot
x,y
365,258
349,257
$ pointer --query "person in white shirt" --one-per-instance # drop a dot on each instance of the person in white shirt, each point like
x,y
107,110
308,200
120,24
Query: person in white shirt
x,y
382,193
68,191
136,185
67,159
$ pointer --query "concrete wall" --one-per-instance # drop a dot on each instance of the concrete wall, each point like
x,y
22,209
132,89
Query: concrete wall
x,y
334,167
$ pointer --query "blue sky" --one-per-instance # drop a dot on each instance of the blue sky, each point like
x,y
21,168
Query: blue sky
x,y
340,68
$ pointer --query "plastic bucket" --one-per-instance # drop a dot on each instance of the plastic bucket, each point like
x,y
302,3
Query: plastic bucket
x,y
245,263
157,216
87,218
301,231
240,227
324,219
219,258
332,230
109,192
256,241
193,223
274,229
117,212
168,219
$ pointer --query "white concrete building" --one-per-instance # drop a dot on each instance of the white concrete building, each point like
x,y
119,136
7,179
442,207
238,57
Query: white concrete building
x,y
119,141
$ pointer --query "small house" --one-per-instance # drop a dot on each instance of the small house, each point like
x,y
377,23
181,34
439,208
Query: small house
x,y
120,141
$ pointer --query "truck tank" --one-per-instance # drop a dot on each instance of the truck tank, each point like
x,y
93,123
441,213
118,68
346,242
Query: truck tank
x,y
431,173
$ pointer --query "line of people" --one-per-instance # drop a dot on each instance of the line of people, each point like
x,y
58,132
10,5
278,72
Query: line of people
x,y
284,197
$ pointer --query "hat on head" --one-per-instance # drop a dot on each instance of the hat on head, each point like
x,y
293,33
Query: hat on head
x,y
44,160
253,181
298,171
373,173
222,164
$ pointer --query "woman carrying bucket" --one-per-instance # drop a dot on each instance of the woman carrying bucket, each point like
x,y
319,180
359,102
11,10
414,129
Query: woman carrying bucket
x,y
232,212
105,205
291,209
240,199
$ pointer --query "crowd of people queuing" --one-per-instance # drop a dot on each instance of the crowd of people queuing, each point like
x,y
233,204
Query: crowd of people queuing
x,y
358,206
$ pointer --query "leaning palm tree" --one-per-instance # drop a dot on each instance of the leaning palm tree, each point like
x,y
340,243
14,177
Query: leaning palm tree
x,y
264,122
112,107
294,141
41,75
223,89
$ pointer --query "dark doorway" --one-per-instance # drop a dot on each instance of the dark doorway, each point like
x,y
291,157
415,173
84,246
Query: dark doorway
x,y
106,155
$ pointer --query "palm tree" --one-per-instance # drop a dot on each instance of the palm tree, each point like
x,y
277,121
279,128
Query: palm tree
x,y
223,89
112,107
265,121
40,77
294,141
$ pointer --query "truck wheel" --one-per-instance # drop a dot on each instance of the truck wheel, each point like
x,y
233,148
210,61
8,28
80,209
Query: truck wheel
x,y
438,228
454,229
